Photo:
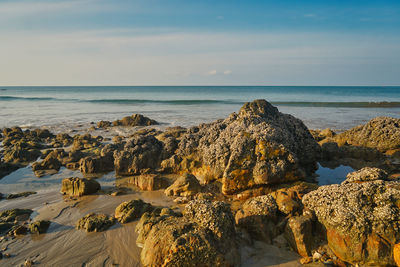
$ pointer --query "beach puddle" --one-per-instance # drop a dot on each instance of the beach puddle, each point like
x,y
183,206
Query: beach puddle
x,y
327,176
24,179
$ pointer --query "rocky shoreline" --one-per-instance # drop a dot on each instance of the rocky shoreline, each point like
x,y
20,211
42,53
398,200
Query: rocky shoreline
x,y
209,195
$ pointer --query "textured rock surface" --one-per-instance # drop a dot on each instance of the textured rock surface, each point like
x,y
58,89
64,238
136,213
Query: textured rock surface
x,y
51,162
39,227
186,185
139,153
362,220
95,222
259,217
76,187
365,174
299,234
257,146
134,120
382,133
204,236
131,210
149,182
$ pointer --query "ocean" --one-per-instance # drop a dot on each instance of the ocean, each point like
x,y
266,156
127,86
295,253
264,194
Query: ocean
x,y
319,107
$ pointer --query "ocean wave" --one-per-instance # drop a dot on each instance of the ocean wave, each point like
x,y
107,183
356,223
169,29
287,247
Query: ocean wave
x,y
382,104
168,102
10,98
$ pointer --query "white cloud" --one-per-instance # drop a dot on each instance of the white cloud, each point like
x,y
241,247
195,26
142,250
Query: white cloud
x,y
164,56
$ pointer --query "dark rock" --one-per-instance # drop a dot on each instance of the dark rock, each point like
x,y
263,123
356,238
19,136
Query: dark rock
x,y
134,120
132,210
104,124
39,227
51,162
7,168
76,187
95,222
140,152
23,194
259,217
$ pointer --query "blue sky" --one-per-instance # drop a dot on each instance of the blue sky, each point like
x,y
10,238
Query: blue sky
x,y
97,42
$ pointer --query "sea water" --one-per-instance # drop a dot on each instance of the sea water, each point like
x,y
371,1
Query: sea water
x,y
338,108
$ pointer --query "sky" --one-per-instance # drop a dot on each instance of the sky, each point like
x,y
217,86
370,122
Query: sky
x,y
226,42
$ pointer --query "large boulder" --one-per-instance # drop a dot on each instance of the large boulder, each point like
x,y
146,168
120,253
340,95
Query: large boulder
x,y
186,185
361,217
381,133
140,153
76,187
204,236
134,120
258,146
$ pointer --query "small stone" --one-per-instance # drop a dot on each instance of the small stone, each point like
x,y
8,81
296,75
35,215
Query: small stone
x,y
306,260
28,263
316,256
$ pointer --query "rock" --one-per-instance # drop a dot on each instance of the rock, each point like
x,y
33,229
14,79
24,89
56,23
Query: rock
x,y
204,236
89,165
132,210
28,263
289,199
134,120
381,133
186,185
396,254
86,141
20,154
140,152
39,227
316,256
365,175
95,222
23,194
362,220
104,124
76,187
257,147
306,260
11,215
259,217
299,234
7,168
49,163
149,182
64,139
20,230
